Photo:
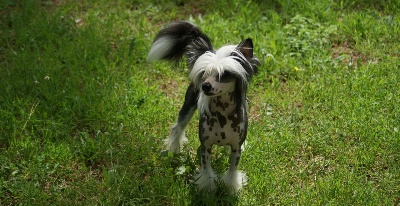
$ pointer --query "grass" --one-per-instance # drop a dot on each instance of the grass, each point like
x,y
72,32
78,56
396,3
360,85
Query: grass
x,y
83,116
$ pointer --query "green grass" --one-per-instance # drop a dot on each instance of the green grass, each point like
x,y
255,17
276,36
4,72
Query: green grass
x,y
83,116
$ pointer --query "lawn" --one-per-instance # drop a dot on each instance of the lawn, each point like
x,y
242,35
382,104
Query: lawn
x,y
83,115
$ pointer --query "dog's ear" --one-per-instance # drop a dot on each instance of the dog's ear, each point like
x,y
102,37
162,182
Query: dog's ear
x,y
246,48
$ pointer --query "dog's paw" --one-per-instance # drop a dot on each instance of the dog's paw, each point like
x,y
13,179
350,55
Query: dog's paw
x,y
234,180
176,139
205,180
174,145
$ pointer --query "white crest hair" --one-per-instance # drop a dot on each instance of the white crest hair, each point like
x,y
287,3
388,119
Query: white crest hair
x,y
210,64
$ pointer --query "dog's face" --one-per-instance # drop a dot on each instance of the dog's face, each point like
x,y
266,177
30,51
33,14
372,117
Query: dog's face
x,y
224,70
218,73
216,85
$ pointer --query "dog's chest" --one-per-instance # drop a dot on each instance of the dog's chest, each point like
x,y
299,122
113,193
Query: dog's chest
x,y
224,125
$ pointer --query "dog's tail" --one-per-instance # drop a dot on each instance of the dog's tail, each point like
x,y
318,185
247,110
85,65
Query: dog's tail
x,y
177,40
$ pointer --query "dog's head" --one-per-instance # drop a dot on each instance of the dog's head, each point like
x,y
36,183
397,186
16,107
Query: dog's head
x,y
227,70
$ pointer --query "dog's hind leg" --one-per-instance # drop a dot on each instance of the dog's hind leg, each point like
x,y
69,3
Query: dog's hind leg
x,y
177,137
233,178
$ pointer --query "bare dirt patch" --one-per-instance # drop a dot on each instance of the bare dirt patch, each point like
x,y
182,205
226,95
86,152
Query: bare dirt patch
x,y
348,55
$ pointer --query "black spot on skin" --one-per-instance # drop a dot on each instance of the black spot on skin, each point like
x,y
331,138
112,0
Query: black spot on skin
x,y
216,134
201,127
205,138
234,151
237,160
213,114
223,135
221,119
218,141
234,129
219,103
236,119
209,150
211,121
210,129
203,159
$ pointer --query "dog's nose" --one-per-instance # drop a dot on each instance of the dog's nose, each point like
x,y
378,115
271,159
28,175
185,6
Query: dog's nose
x,y
206,87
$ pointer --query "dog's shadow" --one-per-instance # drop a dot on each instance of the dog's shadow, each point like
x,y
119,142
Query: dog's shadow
x,y
220,196
187,163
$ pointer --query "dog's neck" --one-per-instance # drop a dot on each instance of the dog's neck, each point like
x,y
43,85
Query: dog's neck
x,y
224,104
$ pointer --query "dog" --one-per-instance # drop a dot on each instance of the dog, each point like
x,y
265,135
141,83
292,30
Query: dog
x,y
218,85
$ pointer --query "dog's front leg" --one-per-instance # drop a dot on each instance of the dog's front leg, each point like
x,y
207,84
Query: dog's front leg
x,y
233,178
206,176
177,137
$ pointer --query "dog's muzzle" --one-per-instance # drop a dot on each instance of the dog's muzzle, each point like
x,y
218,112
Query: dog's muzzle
x,y
206,87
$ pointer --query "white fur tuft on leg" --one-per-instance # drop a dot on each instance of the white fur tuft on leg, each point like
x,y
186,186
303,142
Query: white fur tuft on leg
x,y
205,179
176,139
234,180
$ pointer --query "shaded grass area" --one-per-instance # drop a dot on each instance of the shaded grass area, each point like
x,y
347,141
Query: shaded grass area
x,y
83,115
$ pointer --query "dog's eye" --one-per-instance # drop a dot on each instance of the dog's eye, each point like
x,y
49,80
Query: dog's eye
x,y
203,76
226,77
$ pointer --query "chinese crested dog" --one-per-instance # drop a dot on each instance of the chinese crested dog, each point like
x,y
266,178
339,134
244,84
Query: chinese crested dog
x,y
219,81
